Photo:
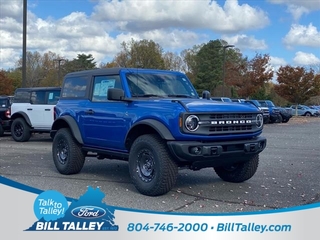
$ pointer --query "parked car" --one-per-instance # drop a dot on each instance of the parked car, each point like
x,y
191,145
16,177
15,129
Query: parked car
x,y
155,120
285,115
274,111
303,110
5,114
265,110
32,111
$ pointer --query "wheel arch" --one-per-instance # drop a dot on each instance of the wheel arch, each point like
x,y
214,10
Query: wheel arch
x,y
21,115
67,122
147,126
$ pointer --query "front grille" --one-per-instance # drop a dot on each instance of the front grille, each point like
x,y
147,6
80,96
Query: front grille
x,y
230,128
235,116
225,123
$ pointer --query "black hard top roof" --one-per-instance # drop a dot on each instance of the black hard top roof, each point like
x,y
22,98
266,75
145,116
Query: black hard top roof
x,y
37,89
114,70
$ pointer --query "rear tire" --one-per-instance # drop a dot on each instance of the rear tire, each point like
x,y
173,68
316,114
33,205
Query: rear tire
x,y
239,172
67,154
20,130
151,168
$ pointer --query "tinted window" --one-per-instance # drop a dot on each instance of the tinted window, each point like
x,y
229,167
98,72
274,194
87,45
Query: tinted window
x,y
22,97
74,87
4,103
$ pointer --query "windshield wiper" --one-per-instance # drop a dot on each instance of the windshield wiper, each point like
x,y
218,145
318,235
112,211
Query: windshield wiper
x,y
180,95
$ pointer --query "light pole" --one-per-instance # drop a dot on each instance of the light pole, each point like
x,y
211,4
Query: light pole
x,y
224,66
59,60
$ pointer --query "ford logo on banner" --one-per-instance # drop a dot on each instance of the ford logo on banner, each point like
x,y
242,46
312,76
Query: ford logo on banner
x,y
88,212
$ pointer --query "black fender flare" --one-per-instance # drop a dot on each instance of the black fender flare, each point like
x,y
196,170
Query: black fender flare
x,y
158,126
24,115
62,121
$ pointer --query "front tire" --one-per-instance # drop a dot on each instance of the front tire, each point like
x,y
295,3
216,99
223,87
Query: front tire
x,y
151,167
20,130
67,154
239,172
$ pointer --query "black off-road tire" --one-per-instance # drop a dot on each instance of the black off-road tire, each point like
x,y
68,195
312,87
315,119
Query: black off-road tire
x,y
1,131
20,130
66,152
151,167
239,172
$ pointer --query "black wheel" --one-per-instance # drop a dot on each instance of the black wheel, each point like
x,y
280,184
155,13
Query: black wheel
x,y
152,170
66,152
239,172
307,114
280,119
20,130
285,120
1,131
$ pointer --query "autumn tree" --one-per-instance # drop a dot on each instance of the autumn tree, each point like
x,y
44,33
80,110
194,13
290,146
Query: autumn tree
x,y
143,54
296,84
251,76
6,84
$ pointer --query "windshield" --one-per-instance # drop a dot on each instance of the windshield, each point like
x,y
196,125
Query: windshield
x,y
3,103
160,85
270,104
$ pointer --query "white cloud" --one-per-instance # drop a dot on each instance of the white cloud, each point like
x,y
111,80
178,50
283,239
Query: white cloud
x,y
302,35
299,7
306,59
276,61
138,16
245,42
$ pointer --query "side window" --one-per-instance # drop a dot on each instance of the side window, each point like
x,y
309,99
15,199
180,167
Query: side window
x,y
38,97
101,84
74,87
22,97
53,97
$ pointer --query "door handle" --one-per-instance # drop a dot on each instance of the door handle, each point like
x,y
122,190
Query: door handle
x,y
47,109
90,111
29,109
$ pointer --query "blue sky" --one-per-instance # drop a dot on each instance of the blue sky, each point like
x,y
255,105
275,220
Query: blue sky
x,y
287,30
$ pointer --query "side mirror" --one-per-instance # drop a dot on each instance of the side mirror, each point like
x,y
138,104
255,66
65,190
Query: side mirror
x,y
115,94
206,95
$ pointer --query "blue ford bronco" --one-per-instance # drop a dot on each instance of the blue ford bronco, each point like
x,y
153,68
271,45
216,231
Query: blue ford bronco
x,y
155,120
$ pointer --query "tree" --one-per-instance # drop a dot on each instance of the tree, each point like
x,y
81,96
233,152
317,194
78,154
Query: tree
x,y
6,84
143,54
212,61
189,57
296,84
82,62
250,77
172,61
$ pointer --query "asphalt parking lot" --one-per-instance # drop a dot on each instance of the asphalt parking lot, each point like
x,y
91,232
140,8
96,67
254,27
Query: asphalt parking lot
x,y
287,175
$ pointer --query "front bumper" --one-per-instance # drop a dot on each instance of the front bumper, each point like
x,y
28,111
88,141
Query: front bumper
x,y
214,154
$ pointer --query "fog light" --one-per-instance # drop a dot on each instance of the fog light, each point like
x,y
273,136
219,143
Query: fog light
x,y
195,150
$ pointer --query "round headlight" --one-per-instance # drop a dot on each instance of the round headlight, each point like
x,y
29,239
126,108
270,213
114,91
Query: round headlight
x,y
192,123
259,120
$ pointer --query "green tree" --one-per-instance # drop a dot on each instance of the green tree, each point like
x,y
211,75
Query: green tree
x,y
82,62
212,61
143,54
